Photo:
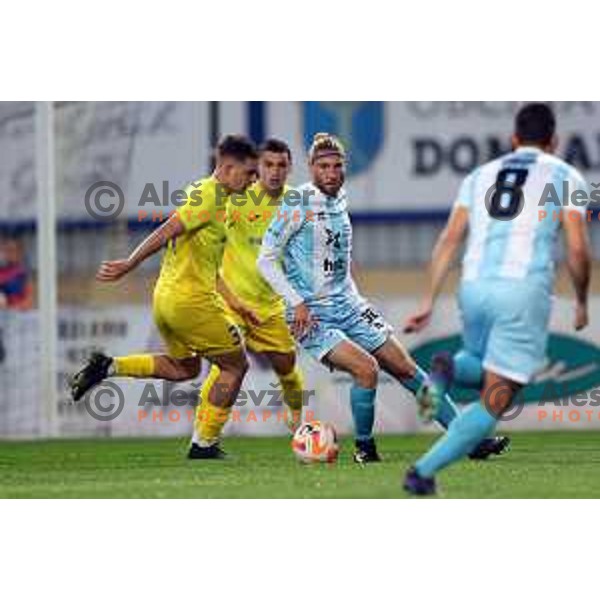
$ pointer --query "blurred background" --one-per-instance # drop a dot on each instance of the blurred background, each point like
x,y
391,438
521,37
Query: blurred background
x,y
406,162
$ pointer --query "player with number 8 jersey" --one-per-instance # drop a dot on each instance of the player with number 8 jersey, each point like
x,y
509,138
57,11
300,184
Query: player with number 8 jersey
x,y
510,211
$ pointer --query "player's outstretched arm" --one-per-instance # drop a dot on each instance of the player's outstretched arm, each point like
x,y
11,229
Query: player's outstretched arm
x,y
112,270
444,253
579,264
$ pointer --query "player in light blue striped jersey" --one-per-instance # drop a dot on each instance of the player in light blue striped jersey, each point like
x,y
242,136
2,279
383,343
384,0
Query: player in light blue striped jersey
x,y
306,257
510,210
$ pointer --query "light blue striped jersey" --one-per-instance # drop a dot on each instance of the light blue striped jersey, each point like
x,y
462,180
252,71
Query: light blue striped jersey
x,y
313,245
524,245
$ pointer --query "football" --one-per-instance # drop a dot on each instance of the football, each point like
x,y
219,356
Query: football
x,y
315,441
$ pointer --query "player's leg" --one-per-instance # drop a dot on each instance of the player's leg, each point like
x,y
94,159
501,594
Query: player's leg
x,y
272,339
217,396
466,366
367,327
292,385
218,339
327,343
464,369
146,366
373,333
518,314
395,360
465,433
467,369
179,363
348,356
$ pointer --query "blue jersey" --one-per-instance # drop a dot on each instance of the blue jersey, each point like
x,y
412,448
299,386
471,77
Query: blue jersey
x,y
306,251
306,258
521,246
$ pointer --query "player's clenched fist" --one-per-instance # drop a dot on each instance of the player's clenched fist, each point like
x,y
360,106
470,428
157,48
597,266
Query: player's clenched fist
x,y
112,270
303,321
419,320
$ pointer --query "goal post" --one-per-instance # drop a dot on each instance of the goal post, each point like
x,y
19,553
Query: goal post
x,y
45,175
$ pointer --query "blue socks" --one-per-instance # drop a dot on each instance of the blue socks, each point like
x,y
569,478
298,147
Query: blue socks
x,y
362,401
468,370
447,410
463,435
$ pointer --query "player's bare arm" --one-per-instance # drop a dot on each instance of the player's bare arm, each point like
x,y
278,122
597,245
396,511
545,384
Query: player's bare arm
x,y
236,304
444,253
579,266
113,270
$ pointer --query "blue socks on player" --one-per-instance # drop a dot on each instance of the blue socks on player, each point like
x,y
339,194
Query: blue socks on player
x,y
447,410
463,435
468,370
416,382
362,402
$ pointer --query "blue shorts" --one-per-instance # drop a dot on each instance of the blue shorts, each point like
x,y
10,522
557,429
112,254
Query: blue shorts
x,y
353,319
505,325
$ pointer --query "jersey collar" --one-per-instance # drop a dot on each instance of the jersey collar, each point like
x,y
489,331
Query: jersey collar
x,y
530,149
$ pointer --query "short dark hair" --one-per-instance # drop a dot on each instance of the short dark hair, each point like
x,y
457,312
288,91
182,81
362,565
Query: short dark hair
x,y
238,147
275,145
535,123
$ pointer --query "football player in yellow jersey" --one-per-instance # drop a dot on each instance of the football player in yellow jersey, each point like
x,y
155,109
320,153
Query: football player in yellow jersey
x,y
252,304
188,310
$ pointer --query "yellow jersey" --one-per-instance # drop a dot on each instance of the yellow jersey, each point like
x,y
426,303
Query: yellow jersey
x,y
247,221
192,260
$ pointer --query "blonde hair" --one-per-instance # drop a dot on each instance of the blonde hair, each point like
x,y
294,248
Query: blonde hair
x,y
326,144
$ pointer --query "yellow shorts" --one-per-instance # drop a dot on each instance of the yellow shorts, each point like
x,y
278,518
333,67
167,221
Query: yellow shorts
x,y
190,327
271,335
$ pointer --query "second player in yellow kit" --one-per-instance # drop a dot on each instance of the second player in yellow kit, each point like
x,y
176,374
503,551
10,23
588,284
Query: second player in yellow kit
x,y
253,305
246,226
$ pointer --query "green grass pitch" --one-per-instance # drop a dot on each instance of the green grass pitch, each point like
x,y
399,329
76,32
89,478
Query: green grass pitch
x,y
540,465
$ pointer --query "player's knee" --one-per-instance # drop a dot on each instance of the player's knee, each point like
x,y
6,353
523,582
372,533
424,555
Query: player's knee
x,y
283,364
188,368
366,372
406,369
177,369
239,366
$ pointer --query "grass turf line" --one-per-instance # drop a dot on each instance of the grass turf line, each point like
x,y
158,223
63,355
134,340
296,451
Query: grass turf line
x,y
540,465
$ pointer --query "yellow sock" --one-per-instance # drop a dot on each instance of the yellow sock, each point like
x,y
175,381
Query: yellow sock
x,y
210,419
292,386
136,365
